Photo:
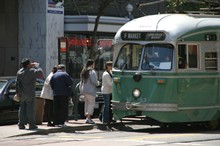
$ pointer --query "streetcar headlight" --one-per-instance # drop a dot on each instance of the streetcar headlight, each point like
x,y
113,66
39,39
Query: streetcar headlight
x,y
136,93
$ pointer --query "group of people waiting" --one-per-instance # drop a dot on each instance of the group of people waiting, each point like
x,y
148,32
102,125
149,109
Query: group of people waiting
x,y
56,91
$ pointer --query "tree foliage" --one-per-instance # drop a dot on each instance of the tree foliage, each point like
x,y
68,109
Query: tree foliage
x,y
182,6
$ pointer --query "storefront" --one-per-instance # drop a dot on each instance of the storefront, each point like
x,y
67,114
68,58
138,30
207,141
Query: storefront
x,y
78,33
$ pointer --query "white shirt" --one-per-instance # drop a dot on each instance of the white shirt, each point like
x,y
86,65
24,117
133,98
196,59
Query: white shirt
x,y
106,83
47,92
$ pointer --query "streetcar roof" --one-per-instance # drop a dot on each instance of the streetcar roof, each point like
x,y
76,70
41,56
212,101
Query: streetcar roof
x,y
174,25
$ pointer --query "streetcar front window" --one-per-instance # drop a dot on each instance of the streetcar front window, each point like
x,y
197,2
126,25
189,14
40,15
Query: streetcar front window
x,y
157,57
129,57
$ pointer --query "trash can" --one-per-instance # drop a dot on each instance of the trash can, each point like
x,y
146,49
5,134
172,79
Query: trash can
x,y
39,110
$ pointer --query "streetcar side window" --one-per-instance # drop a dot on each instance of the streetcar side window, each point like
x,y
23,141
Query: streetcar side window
x,y
211,61
188,56
182,56
157,57
193,56
129,57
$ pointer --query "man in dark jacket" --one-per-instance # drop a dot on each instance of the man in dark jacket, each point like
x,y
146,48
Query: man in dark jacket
x,y
61,83
26,77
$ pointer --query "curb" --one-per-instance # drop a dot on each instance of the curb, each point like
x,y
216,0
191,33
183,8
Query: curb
x,y
71,127
57,129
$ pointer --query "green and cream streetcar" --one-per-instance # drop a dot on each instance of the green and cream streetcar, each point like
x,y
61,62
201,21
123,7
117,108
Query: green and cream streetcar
x,y
166,68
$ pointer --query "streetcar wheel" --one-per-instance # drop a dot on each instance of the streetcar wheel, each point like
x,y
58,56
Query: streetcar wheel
x,y
213,125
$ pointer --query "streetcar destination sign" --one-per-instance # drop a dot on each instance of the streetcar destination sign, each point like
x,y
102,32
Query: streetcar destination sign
x,y
143,36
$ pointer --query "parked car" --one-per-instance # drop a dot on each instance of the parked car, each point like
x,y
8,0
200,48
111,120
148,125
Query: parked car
x,y
8,107
80,99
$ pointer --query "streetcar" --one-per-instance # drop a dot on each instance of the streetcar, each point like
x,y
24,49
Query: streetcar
x,y
166,69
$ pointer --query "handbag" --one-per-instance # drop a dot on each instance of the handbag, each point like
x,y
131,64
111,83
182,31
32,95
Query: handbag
x,y
16,98
80,86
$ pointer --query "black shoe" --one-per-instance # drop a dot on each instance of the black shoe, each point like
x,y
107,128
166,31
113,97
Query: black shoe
x,y
50,125
33,127
21,127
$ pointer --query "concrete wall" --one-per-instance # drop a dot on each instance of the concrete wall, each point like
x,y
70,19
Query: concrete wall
x,y
8,37
39,29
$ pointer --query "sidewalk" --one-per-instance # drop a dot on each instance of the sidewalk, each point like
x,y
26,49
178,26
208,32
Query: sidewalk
x,y
72,125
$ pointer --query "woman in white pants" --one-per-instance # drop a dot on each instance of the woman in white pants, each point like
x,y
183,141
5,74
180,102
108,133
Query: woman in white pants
x,y
88,84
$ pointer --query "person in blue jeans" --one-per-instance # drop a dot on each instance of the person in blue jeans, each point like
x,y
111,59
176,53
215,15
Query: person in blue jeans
x,y
107,92
25,87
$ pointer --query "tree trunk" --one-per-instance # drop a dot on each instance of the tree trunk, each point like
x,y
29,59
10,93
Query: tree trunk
x,y
102,5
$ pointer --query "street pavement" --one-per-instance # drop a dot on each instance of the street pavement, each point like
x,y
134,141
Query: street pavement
x,y
71,126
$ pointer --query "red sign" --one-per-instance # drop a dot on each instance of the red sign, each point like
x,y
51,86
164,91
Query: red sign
x,y
63,45
105,43
78,42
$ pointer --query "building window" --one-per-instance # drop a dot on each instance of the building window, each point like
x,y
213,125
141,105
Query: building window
x,y
77,53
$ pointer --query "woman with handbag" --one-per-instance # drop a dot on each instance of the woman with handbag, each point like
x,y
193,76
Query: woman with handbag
x,y
87,87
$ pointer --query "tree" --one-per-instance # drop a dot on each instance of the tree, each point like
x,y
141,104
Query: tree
x,y
102,6
99,9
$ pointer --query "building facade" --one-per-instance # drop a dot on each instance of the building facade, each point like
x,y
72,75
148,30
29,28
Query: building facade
x,y
35,29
